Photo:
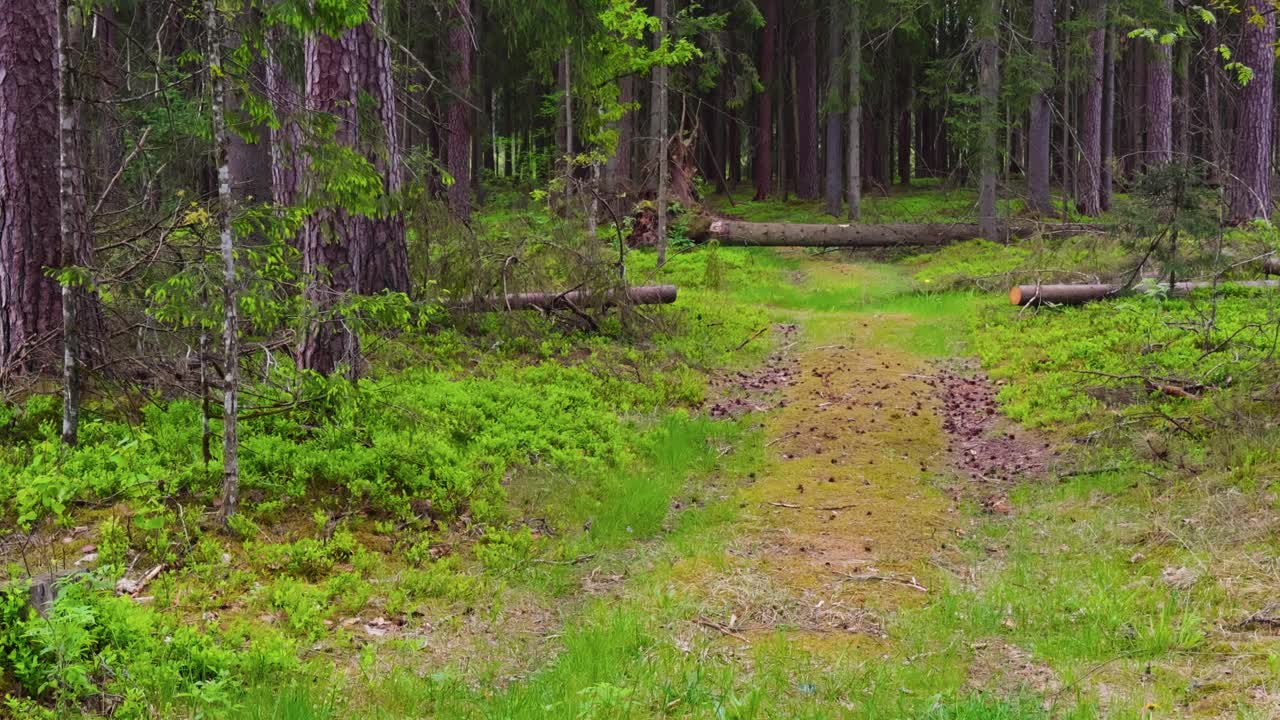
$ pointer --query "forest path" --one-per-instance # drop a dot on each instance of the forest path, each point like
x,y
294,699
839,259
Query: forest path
x,y
844,525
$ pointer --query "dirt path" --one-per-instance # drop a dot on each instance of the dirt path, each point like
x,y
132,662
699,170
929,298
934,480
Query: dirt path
x,y
845,525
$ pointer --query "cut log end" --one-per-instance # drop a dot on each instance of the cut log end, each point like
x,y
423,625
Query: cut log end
x,y
1015,295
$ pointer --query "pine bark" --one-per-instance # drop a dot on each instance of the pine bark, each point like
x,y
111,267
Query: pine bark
x,y
287,159
380,250
460,120
1250,189
1041,113
807,106
989,86
618,167
30,302
1089,174
328,237
835,129
854,180
1160,104
1108,119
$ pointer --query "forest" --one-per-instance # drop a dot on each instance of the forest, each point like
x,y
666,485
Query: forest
x,y
596,359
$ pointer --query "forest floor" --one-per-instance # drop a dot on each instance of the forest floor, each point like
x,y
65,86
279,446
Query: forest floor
x,y
888,495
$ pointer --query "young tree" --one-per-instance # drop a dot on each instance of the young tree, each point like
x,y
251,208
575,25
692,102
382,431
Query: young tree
x,y
855,111
807,103
763,161
230,299
1250,188
460,109
73,226
1089,175
1038,140
835,131
30,300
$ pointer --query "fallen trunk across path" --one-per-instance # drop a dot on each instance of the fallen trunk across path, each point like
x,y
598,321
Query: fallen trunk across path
x,y
1080,294
639,295
1271,266
733,233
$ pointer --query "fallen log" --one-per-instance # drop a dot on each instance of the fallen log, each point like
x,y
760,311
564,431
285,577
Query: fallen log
x,y
733,233
1080,294
1271,266
574,299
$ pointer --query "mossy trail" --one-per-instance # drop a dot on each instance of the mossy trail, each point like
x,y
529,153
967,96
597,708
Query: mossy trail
x,y
844,519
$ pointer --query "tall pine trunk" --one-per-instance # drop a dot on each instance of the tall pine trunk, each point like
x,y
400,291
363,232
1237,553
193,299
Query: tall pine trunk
x,y
835,129
989,87
380,251
762,163
1108,119
287,160
855,112
1041,113
1250,190
617,172
807,105
660,117
328,237
1160,103
30,301
460,120
1089,175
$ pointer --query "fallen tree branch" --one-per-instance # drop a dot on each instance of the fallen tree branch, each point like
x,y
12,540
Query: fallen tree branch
x,y
573,300
1079,294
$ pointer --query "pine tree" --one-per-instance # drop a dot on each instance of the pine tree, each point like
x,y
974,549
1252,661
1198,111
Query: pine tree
x,y
1250,188
30,301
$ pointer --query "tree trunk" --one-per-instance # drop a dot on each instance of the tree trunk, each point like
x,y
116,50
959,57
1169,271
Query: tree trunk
x,y
249,159
1089,175
460,120
989,86
1080,294
1160,103
807,105
905,93
1108,119
576,299
1213,107
660,117
380,250
855,112
286,139
1250,190
73,225
835,129
328,237
30,302
732,233
231,325
762,165
618,167
1041,113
